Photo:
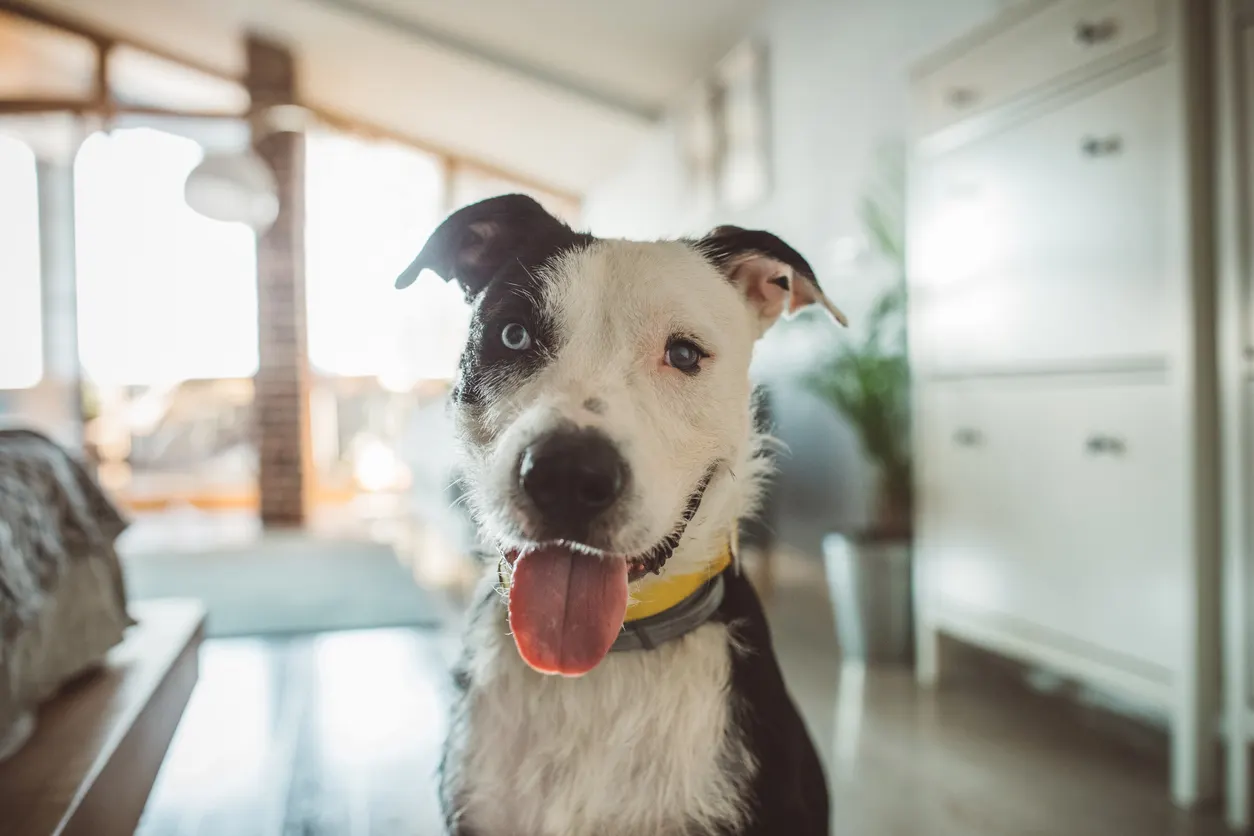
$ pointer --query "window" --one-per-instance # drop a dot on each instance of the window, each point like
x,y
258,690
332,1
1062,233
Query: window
x,y
370,207
21,329
165,295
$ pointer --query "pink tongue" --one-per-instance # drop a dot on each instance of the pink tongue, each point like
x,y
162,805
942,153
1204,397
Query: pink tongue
x,y
565,610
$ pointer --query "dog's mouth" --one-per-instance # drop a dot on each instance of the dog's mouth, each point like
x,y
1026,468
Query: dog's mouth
x,y
567,602
650,562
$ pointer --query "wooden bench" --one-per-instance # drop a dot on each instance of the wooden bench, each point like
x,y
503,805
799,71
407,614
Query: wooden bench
x,y
91,763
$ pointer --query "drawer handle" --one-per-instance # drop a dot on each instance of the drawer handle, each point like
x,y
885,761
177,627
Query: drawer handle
x,y
961,97
1095,147
1092,33
967,437
1098,445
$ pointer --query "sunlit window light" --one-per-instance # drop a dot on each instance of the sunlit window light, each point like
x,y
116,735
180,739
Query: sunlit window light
x,y
371,206
165,294
21,331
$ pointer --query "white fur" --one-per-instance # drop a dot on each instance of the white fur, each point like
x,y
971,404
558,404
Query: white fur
x,y
615,305
643,745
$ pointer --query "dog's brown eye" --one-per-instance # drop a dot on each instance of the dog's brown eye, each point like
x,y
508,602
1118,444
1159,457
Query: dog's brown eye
x,y
684,356
515,337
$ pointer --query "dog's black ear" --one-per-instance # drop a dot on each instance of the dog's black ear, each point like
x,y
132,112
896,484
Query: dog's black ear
x,y
475,242
772,276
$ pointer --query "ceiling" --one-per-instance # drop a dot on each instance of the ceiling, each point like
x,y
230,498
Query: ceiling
x,y
556,91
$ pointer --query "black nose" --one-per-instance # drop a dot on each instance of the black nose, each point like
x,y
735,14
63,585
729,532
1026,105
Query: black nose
x,y
571,476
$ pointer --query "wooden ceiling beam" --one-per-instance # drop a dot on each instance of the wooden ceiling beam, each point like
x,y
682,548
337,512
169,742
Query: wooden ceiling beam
x,y
104,40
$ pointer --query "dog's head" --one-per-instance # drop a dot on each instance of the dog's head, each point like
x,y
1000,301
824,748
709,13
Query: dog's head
x,y
603,401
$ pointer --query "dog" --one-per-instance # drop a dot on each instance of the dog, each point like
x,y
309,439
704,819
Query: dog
x,y
617,676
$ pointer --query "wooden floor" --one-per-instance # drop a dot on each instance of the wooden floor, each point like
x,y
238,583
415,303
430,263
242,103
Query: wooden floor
x,y
330,735
338,735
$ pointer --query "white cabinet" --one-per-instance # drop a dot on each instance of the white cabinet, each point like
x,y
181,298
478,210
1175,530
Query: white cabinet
x,y
1062,326
1052,241
1028,51
1233,49
1042,510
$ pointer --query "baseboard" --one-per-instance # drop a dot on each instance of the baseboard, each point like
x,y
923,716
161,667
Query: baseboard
x,y
1137,681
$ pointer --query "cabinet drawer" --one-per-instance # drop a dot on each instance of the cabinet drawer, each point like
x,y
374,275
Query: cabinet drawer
x,y
1061,509
1063,38
1055,240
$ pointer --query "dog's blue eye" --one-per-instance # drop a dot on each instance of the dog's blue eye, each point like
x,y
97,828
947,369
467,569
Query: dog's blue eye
x,y
684,356
515,337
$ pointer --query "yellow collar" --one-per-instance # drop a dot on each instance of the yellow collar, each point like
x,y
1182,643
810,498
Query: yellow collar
x,y
666,590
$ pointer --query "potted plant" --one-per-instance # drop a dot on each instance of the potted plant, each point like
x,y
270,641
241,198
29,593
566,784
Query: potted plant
x,y
867,380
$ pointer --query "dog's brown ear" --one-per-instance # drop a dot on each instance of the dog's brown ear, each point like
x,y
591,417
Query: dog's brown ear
x,y
474,243
773,277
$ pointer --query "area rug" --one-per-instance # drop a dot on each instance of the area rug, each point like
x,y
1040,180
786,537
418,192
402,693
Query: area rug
x,y
288,585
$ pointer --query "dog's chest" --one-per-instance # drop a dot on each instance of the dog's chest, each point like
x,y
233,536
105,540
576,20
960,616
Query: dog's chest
x,y
644,744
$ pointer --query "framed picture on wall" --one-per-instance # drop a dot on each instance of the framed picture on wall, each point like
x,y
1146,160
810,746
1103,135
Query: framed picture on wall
x,y
699,149
722,128
741,120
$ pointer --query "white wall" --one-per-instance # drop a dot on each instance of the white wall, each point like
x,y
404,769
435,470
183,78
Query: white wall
x,y
838,87
838,82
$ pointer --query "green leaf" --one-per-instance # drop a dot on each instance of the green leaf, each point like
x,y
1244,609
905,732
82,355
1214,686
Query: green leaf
x,y
868,381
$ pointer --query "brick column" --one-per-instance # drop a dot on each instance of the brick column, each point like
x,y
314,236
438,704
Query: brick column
x,y
281,400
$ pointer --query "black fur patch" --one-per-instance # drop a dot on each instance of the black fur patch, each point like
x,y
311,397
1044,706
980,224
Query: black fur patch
x,y
724,244
474,244
497,251
487,364
788,793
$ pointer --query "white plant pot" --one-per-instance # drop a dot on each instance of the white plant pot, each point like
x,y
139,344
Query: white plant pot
x,y
870,584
